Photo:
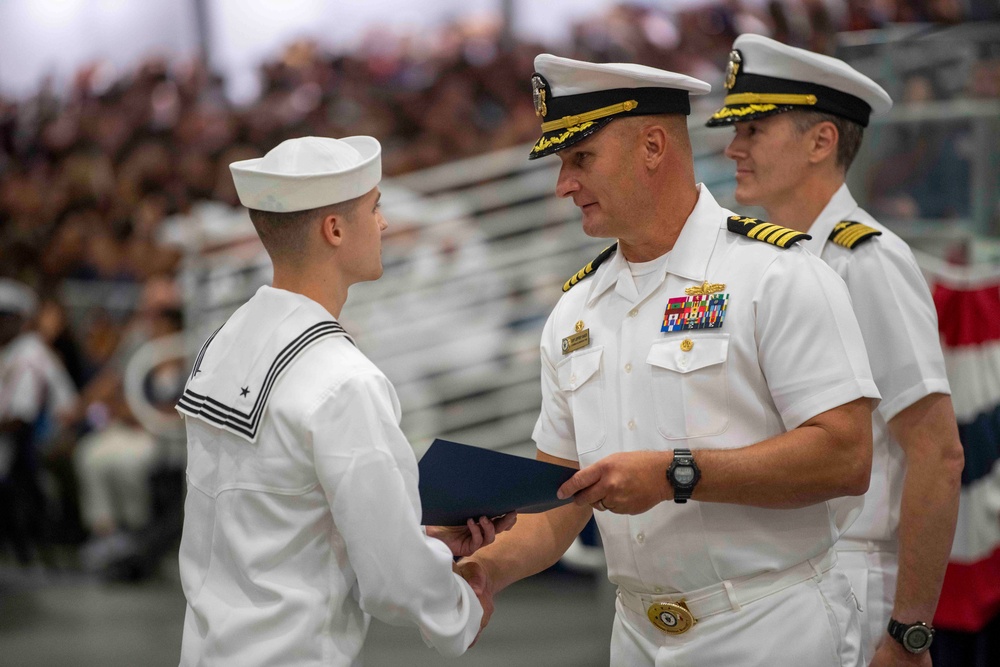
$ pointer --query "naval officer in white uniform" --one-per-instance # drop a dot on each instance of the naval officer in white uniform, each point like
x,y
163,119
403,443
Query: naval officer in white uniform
x,y
799,118
302,517
709,378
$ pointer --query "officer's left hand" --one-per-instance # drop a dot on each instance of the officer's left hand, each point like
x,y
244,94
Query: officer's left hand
x,y
890,654
466,540
624,483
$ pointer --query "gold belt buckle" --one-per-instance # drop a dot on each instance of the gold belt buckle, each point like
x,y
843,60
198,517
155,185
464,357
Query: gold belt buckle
x,y
674,618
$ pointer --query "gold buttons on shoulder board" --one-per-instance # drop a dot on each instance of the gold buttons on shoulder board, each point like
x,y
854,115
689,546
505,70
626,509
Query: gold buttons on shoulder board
x,y
687,344
674,618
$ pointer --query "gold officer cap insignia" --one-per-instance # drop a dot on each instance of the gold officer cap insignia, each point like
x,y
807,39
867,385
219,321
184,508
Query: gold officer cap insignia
x,y
733,68
538,95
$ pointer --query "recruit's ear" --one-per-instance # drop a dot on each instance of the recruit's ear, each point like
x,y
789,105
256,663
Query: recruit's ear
x,y
333,228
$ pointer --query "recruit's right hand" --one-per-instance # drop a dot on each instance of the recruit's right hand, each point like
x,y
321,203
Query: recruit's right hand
x,y
466,540
479,580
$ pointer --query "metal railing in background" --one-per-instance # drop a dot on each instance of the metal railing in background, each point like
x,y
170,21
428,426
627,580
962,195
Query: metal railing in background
x,y
478,249
475,260
936,156
456,322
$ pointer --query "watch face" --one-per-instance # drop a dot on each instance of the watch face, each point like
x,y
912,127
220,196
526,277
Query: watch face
x,y
917,639
683,475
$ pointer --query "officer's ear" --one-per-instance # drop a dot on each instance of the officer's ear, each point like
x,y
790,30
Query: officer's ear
x,y
660,138
653,144
823,139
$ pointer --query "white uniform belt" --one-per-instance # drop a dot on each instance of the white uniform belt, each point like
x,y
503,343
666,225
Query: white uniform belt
x,y
869,546
732,595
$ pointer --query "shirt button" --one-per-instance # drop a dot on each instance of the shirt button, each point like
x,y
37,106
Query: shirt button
x,y
683,362
633,312
628,368
658,590
631,425
640,538
572,378
687,344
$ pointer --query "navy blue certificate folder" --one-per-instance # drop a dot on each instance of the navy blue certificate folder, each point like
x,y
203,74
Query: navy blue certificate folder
x,y
459,482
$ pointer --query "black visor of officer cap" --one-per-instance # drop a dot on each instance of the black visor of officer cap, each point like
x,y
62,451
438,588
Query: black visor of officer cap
x,y
765,77
575,99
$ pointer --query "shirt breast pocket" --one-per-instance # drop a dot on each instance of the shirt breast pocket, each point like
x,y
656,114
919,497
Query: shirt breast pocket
x,y
690,387
580,377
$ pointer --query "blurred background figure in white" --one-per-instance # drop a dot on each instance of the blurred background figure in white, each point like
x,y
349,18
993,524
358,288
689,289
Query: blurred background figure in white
x,y
114,463
35,392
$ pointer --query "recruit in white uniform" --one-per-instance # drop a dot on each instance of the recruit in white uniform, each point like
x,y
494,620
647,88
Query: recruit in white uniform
x,y
302,516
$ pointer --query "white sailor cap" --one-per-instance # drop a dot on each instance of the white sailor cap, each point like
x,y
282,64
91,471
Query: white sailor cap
x,y
309,172
17,298
575,99
765,77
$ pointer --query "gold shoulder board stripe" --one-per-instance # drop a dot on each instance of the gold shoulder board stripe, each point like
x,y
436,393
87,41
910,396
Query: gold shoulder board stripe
x,y
590,268
851,234
760,230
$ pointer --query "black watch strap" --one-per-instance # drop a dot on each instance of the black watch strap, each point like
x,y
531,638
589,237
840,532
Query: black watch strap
x,y
683,488
915,637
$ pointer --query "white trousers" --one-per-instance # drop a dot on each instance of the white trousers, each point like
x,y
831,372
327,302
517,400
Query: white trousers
x,y
813,623
873,577
113,467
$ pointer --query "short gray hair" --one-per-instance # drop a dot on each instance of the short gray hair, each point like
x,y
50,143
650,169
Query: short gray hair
x,y
850,133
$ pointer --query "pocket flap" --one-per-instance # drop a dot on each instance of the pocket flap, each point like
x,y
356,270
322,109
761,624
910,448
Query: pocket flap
x,y
703,352
578,368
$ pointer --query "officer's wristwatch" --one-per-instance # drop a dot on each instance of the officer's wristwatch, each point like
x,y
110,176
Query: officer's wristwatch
x,y
915,638
683,474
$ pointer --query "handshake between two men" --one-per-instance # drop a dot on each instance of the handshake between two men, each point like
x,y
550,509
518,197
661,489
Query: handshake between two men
x,y
554,500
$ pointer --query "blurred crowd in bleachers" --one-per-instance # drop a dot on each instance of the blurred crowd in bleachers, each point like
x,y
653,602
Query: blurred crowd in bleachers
x,y
924,167
107,186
